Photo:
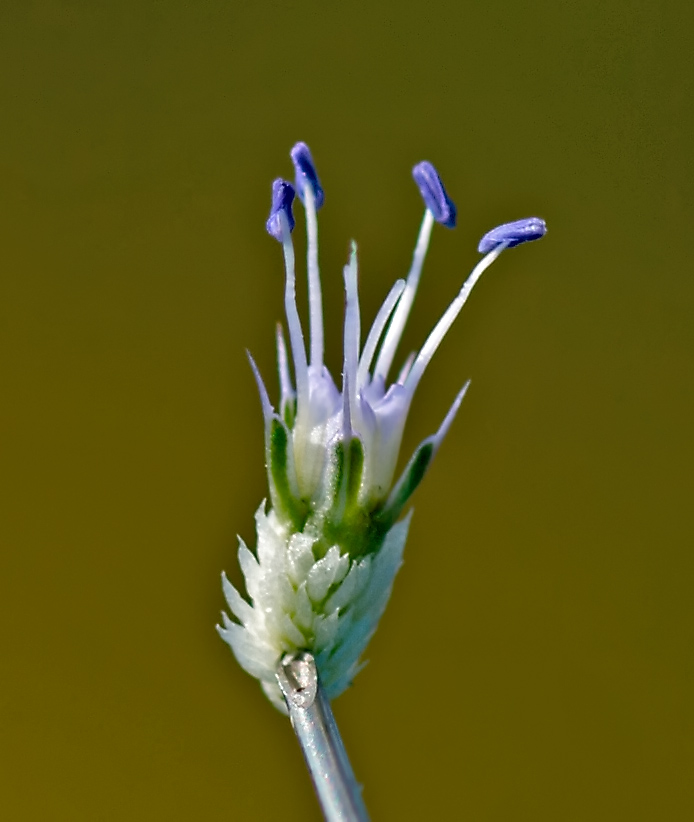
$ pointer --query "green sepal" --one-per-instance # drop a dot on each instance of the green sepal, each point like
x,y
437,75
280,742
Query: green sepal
x,y
341,519
358,534
284,493
352,475
288,412
408,482
342,479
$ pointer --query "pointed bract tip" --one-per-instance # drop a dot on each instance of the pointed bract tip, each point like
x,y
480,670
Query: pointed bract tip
x,y
282,198
306,173
434,194
520,231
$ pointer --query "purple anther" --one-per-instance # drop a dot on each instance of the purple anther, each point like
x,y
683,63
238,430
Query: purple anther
x,y
306,173
522,231
282,197
434,194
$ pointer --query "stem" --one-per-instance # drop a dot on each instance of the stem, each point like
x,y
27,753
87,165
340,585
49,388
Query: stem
x,y
314,725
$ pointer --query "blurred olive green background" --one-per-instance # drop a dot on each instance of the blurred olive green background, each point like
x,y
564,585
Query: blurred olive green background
x,y
536,660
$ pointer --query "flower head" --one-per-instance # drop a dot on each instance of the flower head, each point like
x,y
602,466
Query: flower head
x,y
331,542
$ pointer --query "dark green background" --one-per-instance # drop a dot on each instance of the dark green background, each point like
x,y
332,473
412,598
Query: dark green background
x,y
536,660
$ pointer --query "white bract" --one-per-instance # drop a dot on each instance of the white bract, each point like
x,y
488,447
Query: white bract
x,y
330,543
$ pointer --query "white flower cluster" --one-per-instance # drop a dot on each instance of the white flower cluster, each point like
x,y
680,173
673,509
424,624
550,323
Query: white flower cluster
x,y
331,605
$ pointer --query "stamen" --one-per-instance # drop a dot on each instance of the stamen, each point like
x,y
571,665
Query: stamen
x,y
441,328
286,391
434,194
306,173
379,324
296,337
282,198
521,231
397,326
315,300
311,195
352,332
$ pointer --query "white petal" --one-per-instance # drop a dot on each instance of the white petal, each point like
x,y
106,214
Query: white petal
x,y
258,660
342,568
385,566
326,629
291,632
351,585
271,546
303,610
239,607
275,592
227,622
273,693
300,557
354,643
249,568
321,576
334,688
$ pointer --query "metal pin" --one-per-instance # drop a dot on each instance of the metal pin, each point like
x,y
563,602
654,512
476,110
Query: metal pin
x,y
338,792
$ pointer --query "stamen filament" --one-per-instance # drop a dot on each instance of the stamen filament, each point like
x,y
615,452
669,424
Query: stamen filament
x,y
397,326
296,337
352,332
315,299
443,325
376,330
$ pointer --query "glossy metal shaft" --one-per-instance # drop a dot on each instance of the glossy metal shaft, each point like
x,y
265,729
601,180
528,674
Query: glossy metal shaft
x,y
314,725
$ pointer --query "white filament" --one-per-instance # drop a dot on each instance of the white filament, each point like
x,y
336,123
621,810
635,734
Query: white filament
x,y
377,329
296,337
352,332
442,326
315,299
397,326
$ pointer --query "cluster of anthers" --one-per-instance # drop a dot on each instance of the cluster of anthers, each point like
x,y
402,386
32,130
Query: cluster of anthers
x,y
331,541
